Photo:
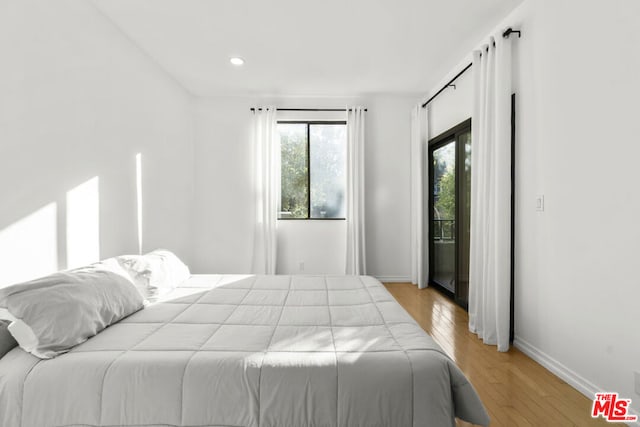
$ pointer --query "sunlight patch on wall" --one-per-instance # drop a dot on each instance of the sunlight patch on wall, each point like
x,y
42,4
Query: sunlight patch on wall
x,y
28,247
139,199
83,224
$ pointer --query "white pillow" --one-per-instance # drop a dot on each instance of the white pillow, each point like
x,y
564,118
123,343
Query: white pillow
x,y
52,314
156,273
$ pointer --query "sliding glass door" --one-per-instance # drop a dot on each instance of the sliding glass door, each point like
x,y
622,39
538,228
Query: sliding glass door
x,y
450,207
443,228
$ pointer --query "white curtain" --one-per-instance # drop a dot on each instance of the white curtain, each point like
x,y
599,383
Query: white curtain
x,y
419,170
489,270
356,262
266,147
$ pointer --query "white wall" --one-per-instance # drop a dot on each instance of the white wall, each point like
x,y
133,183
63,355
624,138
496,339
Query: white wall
x,y
224,201
312,247
78,101
224,191
453,106
577,293
388,190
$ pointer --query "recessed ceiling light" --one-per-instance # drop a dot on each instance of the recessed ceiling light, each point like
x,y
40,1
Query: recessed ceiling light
x,y
236,60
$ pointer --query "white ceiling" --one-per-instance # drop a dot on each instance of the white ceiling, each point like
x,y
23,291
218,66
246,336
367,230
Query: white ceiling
x,y
304,47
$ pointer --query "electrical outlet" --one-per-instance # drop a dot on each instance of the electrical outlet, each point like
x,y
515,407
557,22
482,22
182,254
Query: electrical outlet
x,y
540,203
636,377
301,266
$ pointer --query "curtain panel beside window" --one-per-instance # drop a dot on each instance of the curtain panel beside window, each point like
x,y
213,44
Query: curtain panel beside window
x,y
356,262
490,252
419,200
266,150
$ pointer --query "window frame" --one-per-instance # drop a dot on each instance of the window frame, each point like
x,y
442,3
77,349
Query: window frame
x,y
309,123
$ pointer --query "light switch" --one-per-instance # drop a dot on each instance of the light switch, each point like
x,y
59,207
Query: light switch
x,y
540,203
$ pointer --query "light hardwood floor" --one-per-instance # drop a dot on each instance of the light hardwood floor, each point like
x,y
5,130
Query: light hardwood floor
x,y
515,390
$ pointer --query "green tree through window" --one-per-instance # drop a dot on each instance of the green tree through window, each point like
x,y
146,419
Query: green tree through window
x,y
446,203
313,168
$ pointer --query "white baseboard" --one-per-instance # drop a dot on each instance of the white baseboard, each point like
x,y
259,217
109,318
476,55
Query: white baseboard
x,y
572,378
576,381
394,279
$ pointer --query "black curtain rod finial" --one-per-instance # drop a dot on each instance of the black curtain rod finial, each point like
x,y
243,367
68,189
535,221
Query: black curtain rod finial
x,y
509,31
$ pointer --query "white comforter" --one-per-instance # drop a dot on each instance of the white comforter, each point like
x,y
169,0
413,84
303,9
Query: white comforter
x,y
248,351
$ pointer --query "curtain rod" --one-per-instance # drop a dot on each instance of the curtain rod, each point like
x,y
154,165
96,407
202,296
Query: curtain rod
x,y
505,34
447,85
307,109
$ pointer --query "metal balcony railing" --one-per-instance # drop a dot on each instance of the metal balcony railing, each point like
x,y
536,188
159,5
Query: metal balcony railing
x,y
444,229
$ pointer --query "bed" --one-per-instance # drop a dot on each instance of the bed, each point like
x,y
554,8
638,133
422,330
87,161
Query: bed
x,y
244,350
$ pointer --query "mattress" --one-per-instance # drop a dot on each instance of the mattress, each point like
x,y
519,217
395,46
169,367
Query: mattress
x,y
244,350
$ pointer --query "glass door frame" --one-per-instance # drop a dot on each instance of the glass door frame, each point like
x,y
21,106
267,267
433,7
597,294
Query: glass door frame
x,y
451,135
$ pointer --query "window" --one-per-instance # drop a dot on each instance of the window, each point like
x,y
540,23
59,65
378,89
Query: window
x,y
313,170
